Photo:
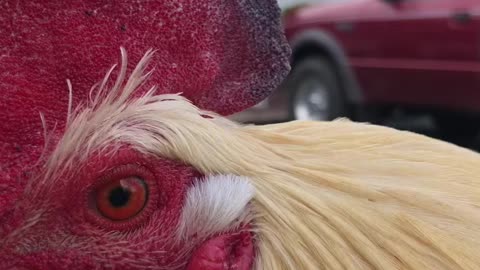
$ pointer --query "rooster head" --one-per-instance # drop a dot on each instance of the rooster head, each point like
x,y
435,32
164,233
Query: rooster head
x,y
98,165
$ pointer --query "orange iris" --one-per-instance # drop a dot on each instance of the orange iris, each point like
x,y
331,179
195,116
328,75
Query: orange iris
x,y
122,199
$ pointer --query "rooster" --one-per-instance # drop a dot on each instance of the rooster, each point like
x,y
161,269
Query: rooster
x,y
136,167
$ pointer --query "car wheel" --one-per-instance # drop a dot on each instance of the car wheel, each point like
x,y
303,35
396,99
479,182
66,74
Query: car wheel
x,y
315,92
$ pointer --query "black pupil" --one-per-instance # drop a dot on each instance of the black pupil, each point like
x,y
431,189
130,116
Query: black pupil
x,y
119,197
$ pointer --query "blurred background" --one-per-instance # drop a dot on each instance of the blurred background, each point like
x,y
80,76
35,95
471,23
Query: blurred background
x,y
409,64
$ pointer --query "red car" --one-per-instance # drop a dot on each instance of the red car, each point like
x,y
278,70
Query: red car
x,y
364,59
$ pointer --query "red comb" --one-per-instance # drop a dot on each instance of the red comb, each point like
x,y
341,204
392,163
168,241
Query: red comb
x,y
224,55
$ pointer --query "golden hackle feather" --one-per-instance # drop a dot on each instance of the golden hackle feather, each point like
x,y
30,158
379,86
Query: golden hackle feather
x,y
329,195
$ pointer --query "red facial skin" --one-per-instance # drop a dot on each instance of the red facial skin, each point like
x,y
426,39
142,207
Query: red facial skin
x,y
223,55
93,240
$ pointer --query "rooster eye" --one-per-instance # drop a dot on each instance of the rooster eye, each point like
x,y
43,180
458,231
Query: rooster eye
x,y
121,199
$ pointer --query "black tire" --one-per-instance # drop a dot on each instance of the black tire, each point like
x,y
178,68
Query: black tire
x,y
318,69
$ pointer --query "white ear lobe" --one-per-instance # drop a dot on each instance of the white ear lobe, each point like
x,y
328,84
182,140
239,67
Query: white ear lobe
x,y
215,205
